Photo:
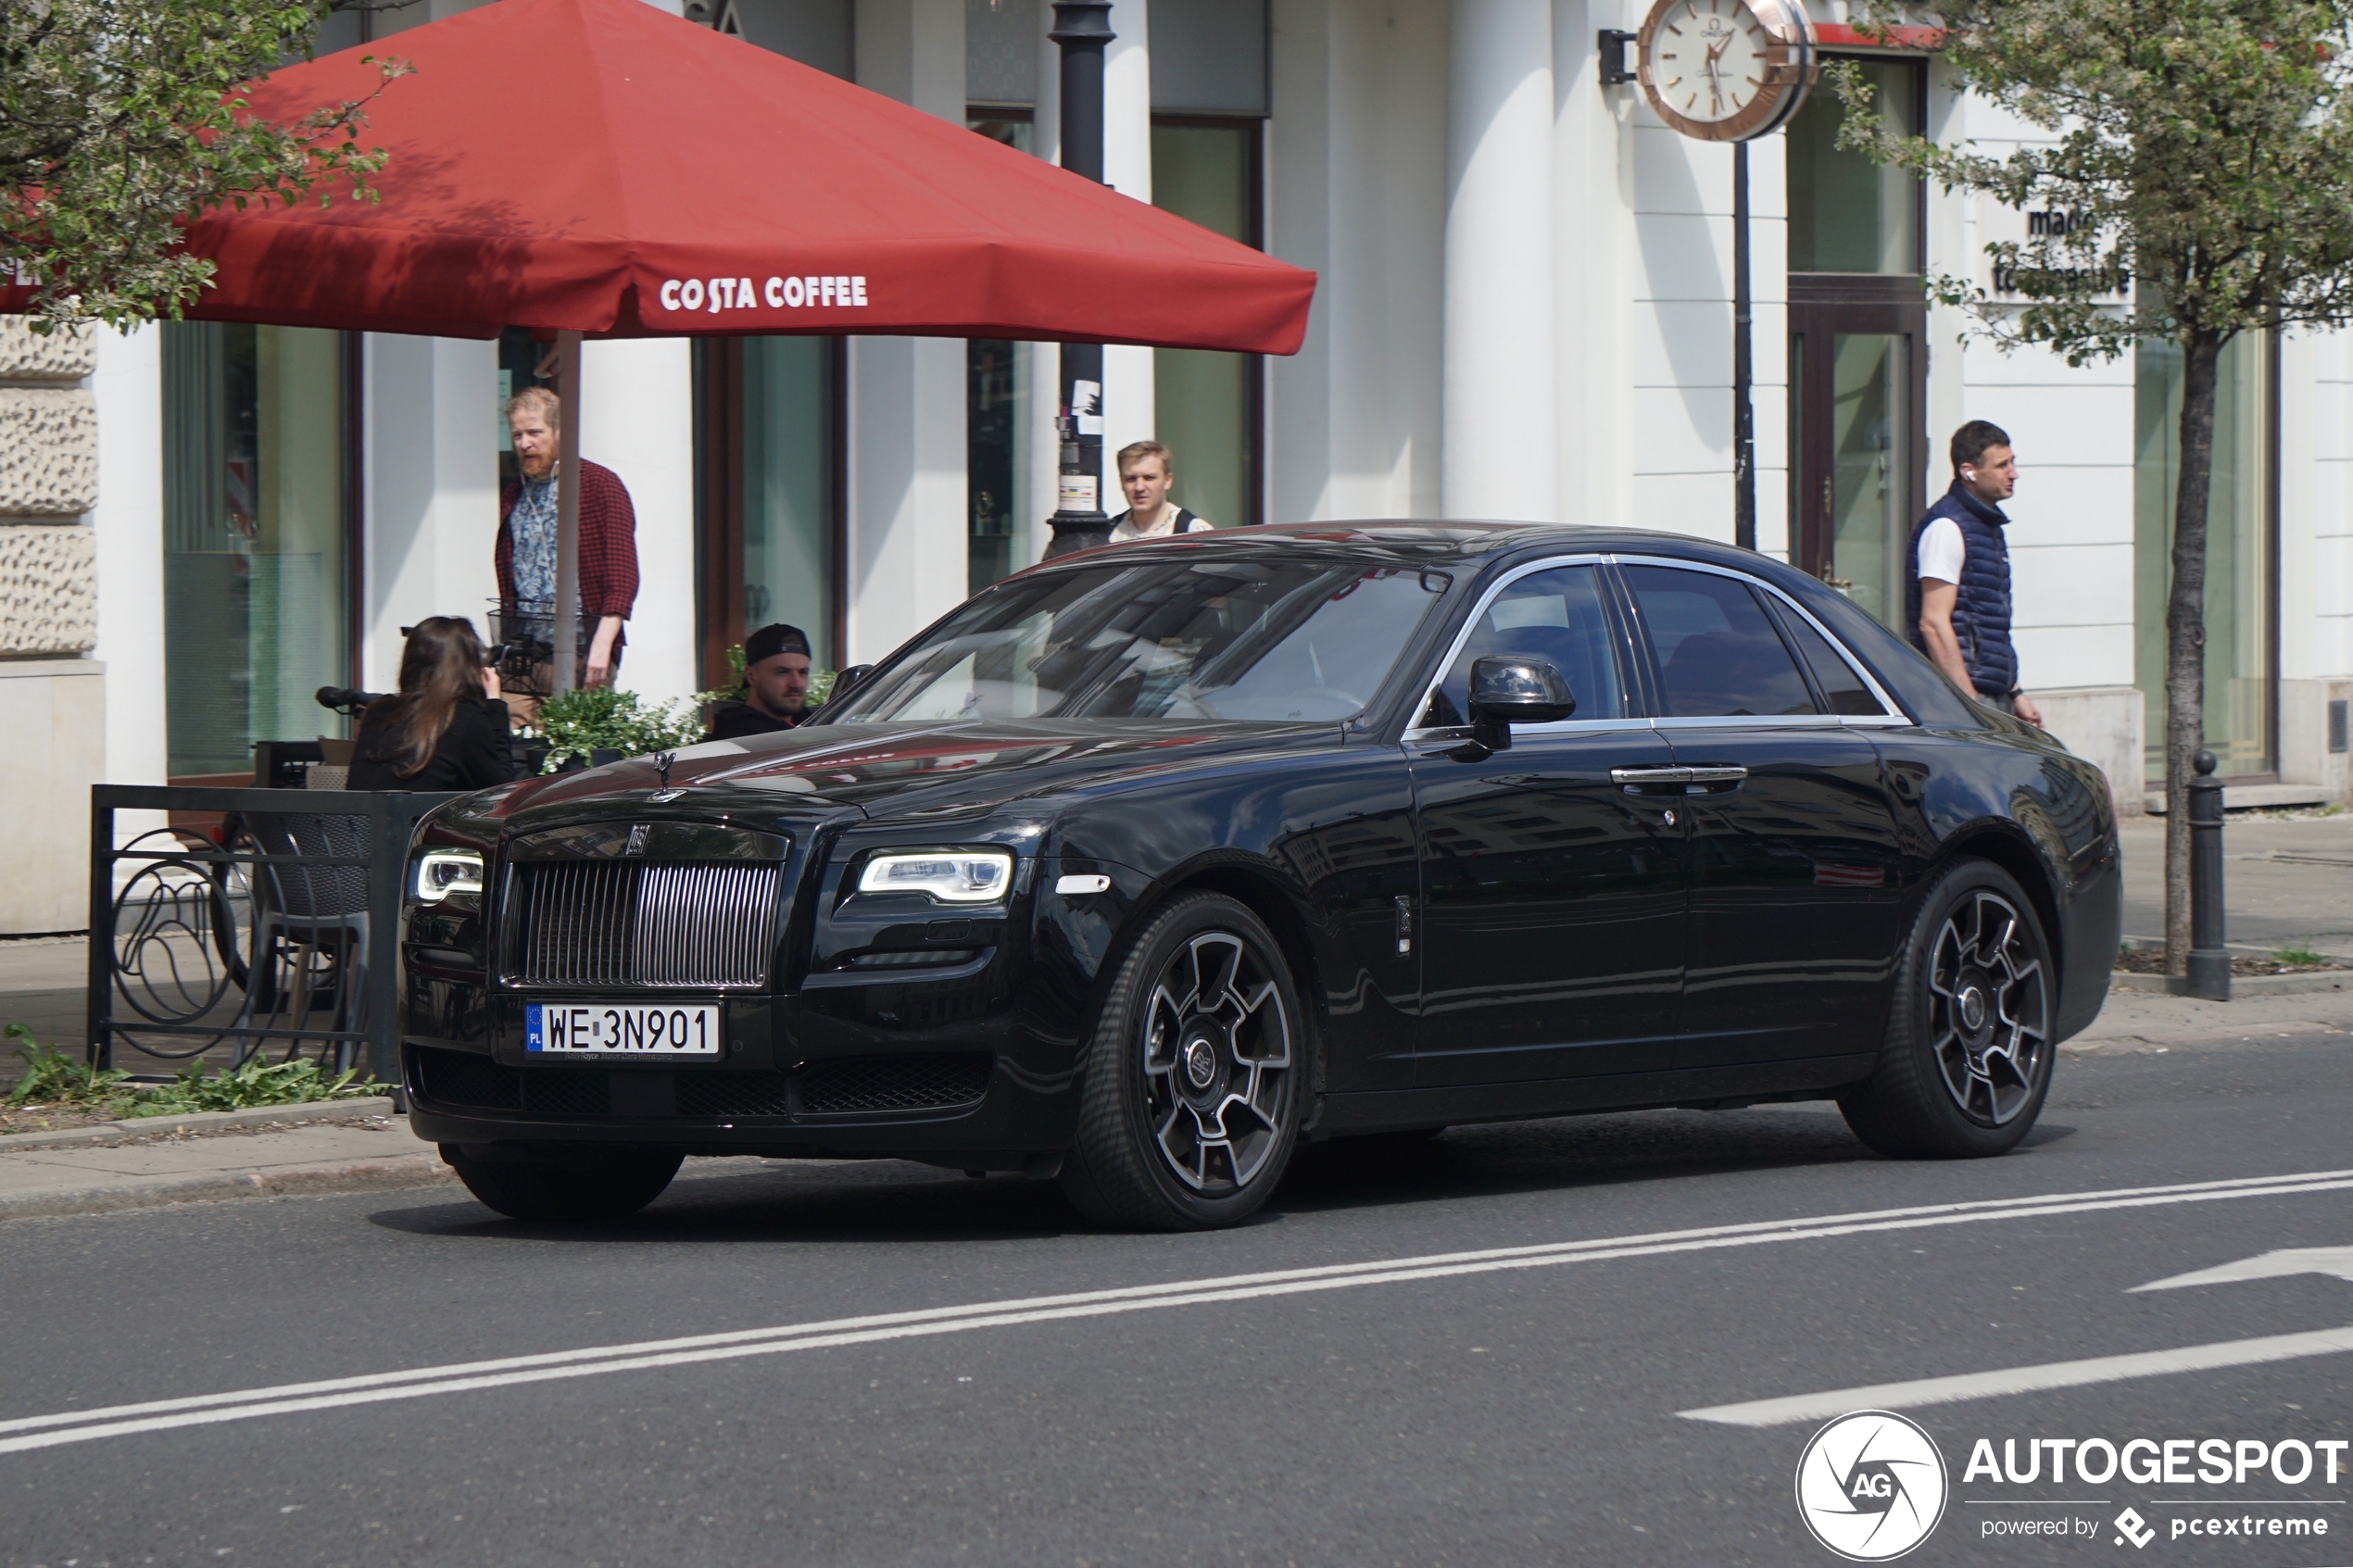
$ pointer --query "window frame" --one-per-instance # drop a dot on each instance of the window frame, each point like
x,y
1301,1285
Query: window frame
x,y
1634,652
1621,634
1893,715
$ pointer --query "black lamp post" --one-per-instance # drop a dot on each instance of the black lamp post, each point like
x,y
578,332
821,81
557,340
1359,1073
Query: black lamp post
x,y
1082,28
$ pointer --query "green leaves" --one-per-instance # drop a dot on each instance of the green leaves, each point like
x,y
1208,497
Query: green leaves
x,y
52,1078
590,718
2201,147
122,120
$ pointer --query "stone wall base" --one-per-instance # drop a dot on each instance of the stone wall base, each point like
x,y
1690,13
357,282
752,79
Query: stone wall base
x,y
2305,733
2101,725
54,713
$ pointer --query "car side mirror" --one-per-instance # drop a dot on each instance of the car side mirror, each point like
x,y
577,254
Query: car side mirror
x,y
846,679
1507,690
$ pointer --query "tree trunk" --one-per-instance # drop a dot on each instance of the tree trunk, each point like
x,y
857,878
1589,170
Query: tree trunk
x,y
2185,635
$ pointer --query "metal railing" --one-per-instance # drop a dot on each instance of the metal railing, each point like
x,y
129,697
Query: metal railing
x,y
288,917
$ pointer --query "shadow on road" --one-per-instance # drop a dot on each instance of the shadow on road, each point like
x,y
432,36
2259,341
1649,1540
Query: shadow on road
x,y
897,1201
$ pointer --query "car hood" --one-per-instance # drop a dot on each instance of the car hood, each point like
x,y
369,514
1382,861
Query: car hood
x,y
924,769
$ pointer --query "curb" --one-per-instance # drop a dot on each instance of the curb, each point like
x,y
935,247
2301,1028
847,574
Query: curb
x,y
396,1173
107,1132
2241,985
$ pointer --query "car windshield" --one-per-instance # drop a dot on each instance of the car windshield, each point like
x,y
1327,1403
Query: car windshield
x,y
1184,640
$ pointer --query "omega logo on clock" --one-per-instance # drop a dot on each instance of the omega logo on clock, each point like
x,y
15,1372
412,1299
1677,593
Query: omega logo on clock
x,y
1726,71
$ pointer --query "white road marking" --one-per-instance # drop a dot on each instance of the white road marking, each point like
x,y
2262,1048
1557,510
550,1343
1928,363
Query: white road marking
x,y
2027,1379
2338,1260
76,1426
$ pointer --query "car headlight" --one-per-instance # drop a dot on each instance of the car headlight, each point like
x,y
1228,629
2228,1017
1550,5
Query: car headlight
x,y
961,876
441,872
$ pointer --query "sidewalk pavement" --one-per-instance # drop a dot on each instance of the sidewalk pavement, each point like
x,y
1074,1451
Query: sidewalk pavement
x,y
347,1146
2283,880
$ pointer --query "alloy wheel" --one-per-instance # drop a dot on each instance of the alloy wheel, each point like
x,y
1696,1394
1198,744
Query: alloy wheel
x,y
1217,1062
1989,1009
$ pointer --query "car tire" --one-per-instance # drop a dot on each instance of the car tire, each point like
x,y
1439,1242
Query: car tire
x,y
609,1189
1967,1060
1192,1088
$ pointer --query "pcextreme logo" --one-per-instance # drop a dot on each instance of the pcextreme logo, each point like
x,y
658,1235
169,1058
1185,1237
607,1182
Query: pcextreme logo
x,y
1871,1486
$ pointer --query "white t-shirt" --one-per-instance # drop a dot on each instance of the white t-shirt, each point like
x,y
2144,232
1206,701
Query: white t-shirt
x,y
1173,520
1941,550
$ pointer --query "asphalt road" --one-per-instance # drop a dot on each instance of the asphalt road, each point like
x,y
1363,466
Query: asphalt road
x,y
1481,1409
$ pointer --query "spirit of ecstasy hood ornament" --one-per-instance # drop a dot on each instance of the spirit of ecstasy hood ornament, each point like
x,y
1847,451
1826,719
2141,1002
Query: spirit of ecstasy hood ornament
x,y
662,760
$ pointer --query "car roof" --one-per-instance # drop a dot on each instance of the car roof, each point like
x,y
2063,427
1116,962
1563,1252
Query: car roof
x,y
1425,542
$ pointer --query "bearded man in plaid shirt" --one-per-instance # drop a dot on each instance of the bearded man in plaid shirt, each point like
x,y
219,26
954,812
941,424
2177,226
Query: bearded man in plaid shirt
x,y
526,549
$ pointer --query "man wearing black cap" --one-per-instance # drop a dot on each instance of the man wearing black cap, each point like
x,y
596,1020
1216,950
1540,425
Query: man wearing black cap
x,y
775,685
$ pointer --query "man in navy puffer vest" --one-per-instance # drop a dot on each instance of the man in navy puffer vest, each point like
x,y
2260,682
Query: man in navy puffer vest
x,y
1957,594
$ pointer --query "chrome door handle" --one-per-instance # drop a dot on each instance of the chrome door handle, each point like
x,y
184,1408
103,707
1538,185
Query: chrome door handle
x,y
1703,779
1637,781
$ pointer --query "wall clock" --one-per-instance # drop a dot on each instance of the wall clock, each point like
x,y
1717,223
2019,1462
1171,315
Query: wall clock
x,y
1726,71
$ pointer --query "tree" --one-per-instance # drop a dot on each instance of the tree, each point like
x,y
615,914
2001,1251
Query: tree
x,y
2201,150
120,120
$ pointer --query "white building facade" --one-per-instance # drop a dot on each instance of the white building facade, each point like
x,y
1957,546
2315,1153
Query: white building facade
x,y
1524,312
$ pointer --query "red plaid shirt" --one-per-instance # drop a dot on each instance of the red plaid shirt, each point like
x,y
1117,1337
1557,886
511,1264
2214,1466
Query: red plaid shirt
x,y
607,544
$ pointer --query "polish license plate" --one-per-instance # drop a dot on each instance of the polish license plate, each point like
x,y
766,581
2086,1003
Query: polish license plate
x,y
620,1029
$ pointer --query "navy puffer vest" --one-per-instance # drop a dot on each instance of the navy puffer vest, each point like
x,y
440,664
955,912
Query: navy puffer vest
x,y
1982,609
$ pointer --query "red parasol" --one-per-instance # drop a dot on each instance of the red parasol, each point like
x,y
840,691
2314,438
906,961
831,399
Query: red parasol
x,y
602,166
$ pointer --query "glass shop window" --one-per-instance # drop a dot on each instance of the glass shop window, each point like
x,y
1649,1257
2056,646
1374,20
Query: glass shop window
x,y
1847,214
1207,406
2241,552
257,556
1008,398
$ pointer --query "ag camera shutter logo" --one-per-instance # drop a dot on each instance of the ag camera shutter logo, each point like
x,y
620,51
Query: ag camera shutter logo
x,y
1871,1486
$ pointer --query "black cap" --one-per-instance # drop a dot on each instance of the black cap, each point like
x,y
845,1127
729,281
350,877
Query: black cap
x,y
774,639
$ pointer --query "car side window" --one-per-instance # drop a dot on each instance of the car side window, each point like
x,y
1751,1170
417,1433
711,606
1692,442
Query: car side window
x,y
1559,615
1841,687
1717,654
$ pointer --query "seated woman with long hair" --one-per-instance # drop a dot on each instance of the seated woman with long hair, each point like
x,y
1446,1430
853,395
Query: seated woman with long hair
x,y
447,729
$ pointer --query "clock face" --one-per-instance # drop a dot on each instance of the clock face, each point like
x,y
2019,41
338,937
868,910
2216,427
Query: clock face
x,y
1725,70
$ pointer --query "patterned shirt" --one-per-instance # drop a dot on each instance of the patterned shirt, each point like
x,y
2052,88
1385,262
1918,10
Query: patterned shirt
x,y
534,525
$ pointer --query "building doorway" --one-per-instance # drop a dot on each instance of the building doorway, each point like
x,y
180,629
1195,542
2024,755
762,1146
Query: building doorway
x,y
1858,361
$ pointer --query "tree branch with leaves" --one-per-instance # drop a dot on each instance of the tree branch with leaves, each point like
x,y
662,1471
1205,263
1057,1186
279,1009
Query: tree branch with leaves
x,y
123,119
2202,154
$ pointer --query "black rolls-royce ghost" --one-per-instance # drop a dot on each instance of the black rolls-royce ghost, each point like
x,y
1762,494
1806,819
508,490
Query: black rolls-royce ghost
x,y
1142,866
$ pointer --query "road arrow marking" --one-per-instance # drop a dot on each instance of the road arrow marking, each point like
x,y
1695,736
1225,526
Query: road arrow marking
x,y
2338,1260
2027,1379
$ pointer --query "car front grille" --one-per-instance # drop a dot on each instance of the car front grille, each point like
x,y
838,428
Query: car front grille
x,y
606,922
